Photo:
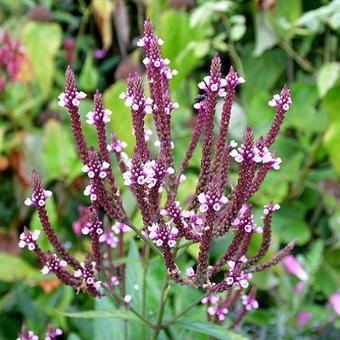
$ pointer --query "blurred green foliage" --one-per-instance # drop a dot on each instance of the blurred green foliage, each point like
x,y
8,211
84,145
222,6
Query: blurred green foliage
x,y
270,42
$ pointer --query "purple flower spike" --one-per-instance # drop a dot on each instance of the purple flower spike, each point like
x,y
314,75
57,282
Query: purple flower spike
x,y
215,207
233,80
160,236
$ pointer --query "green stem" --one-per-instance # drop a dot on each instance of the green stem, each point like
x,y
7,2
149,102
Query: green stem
x,y
164,296
303,62
231,48
145,273
185,310
145,239
134,311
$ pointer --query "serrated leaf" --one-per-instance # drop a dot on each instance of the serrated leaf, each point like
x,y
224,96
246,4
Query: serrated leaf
x,y
106,329
314,257
42,41
134,283
327,77
208,328
102,314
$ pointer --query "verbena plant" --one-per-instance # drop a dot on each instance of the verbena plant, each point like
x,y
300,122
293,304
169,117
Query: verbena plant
x,y
214,209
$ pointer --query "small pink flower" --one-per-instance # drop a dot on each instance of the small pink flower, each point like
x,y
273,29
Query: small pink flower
x,y
304,317
334,301
295,268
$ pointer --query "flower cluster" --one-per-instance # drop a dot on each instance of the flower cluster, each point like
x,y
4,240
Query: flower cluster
x,y
213,208
51,334
137,104
72,99
120,227
249,302
233,79
109,238
270,208
254,154
101,117
148,173
188,222
281,101
214,85
11,59
215,307
87,274
117,146
160,236
27,335
53,265
236,276
93,227
218,311
38,198
29,239
96,169
245,221
211,201
91,192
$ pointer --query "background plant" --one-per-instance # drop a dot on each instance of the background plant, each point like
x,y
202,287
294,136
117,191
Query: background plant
x,y
303,37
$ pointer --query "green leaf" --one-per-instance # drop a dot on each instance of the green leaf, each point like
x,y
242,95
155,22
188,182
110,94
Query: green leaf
x,y
184,44
59,154
102,314
42,41
331,103
105,329
316,19
332,142
327,77
134,282
14,268
201,15
73,336
290,9
89,77
208,328
303,114
266,36
289,223
261,73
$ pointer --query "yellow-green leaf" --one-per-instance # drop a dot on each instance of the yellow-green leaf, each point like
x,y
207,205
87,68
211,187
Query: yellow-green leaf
x,y
42,41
